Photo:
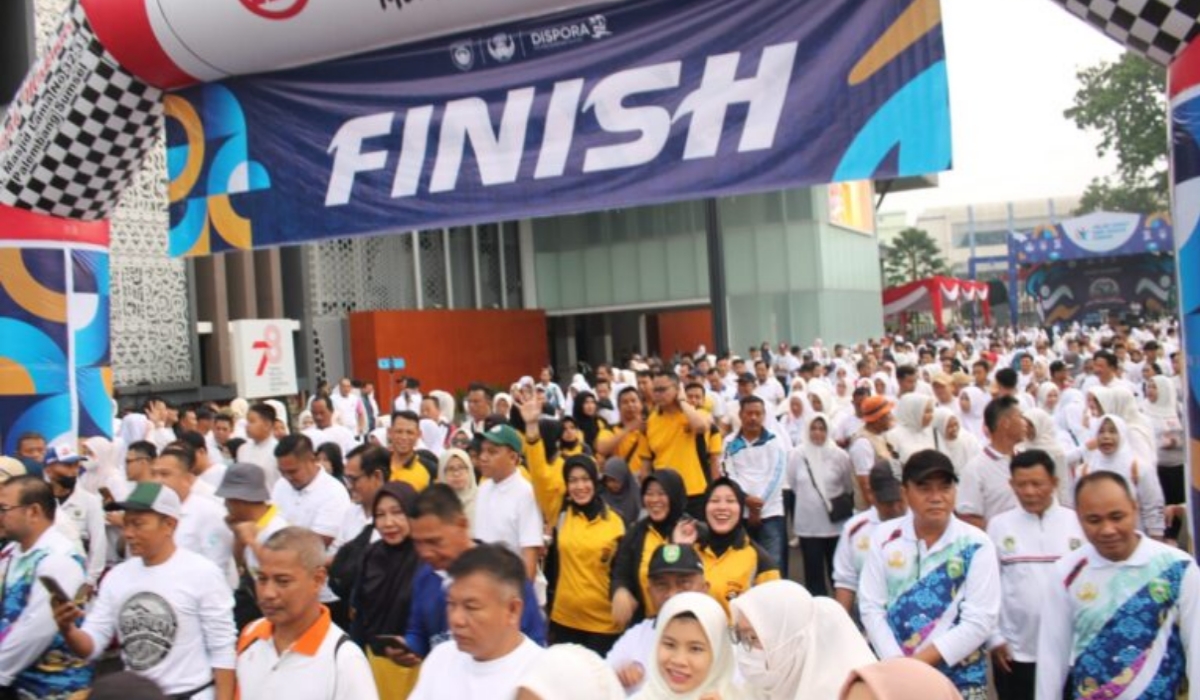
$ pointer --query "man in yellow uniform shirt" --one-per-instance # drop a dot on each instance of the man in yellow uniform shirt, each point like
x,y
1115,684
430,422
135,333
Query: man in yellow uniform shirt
x,y
677,435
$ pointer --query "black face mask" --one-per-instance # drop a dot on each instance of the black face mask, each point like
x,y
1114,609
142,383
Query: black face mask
x,y
67,482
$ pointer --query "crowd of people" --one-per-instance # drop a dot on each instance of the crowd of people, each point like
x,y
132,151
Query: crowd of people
x,y
982,512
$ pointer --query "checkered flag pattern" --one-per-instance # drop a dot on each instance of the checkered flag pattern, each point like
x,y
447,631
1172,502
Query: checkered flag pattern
x,y
1157,29
78,129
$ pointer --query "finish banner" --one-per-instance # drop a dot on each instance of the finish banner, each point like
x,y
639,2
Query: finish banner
x,y
643,102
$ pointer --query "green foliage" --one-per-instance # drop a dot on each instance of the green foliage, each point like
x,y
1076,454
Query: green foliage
x,y
1126,103
913,255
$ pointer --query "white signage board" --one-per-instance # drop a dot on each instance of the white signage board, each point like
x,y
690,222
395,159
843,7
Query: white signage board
x,y
264,362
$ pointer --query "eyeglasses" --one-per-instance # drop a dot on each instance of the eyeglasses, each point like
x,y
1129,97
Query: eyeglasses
x,y
749,642
5,509
351,480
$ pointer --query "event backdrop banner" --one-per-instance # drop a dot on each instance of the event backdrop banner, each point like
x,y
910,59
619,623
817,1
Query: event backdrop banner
x,y
1080,290
647,101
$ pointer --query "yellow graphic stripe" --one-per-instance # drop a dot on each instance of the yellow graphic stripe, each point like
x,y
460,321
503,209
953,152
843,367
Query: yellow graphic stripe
x,y
230,225
15,380
918,20
183,111
30,294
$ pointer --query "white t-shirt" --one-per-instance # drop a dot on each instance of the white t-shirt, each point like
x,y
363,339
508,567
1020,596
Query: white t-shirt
x,y
202,530
507,513
339,435
984,488
271,523
262,454
85,511
319,507
213,475
174,621
346,410
450,674
352,526
636,646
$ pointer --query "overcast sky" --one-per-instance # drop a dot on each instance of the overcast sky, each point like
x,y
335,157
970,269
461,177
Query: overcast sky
x,y
1012,67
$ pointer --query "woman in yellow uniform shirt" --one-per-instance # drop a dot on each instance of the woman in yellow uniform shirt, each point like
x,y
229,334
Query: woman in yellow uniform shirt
x,y
579,562
733,563
665,499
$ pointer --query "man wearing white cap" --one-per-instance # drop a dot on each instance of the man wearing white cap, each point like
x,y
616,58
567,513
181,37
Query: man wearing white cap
x,y
80,512
170,609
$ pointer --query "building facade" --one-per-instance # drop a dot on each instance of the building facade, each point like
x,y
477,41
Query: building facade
x,y
952,228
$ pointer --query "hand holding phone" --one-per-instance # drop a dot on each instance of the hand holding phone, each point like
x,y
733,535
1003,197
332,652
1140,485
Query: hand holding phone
x,y
57,595
395,648
107,495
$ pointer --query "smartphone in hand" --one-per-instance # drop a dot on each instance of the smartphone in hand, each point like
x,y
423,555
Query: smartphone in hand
x,y
394,642
57,595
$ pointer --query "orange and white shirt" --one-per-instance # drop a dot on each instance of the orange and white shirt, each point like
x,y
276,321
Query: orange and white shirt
x,y
323,664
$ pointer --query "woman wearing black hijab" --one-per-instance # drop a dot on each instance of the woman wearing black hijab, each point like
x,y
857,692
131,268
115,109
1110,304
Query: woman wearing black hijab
x,y
383,593
620,490
664,498
733,563
586,415
579,562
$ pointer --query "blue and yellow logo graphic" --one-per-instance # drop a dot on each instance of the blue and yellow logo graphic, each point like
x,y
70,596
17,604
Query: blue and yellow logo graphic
x,y
914,124
209,173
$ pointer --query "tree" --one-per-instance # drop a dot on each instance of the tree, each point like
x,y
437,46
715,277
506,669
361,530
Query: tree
x,y
1126,102
913,255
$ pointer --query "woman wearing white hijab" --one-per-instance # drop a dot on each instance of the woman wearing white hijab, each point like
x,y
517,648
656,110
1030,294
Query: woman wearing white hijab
x,y
502,404
1114,454
957,444
1042,434
821,399
1048,396
693,655
914,421
794,418
100,466
1121,402
793,646
455,470
570,672
818,471
1068,419
884,384
1162,412
973,401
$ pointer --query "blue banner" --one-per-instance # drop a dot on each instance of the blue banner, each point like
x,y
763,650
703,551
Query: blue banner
x,y
643,102
1098,235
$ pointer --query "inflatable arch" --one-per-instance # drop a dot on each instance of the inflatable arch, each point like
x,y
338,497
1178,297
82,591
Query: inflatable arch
x,y
90,109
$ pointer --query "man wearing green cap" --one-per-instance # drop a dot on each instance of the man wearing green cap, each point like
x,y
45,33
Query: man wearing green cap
x,y
170,609
505,510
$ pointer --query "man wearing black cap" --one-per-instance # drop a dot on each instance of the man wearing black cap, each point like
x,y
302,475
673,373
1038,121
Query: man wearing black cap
x,y
855,540
930,587
673,569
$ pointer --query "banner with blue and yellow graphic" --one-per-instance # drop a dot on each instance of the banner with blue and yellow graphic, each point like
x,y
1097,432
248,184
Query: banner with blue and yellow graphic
x,y
55,374
638,103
